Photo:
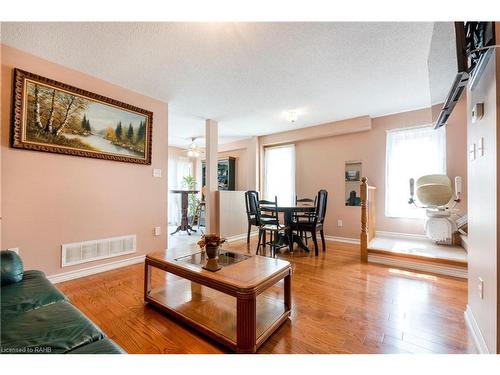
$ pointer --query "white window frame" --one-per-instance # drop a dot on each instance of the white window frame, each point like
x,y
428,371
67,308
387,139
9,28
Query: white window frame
x,y
281,200
439,168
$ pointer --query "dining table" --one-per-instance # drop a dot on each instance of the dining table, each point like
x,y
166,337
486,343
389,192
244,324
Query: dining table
x,y
184,226
288,213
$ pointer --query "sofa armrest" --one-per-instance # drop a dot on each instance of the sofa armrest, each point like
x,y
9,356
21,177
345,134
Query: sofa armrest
x,y
12,269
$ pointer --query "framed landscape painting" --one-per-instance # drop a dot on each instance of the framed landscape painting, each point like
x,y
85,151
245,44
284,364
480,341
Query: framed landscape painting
x,y
54,117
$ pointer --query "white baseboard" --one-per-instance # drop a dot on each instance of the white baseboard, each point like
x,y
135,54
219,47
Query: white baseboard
x,y
441,269
471,323
70,275
410,236
354,241
242,236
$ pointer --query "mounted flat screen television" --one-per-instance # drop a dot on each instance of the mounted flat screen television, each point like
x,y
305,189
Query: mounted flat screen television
x,y
458,53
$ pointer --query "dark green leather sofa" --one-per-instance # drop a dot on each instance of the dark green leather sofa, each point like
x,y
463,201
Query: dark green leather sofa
x,y
37,318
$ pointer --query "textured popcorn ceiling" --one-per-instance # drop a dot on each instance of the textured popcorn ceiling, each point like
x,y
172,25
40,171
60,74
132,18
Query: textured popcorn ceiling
x,y
246,75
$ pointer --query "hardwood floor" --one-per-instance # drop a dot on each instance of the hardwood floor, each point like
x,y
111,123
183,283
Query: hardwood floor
x,y
339,306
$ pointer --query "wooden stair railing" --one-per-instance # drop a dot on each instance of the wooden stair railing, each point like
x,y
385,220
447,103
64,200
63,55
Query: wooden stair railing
x,y
367,217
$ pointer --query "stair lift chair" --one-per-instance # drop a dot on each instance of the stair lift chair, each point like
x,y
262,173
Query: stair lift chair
x,y
434,193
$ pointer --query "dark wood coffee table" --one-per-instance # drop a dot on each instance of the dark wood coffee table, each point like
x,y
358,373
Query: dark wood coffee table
x,y
229,305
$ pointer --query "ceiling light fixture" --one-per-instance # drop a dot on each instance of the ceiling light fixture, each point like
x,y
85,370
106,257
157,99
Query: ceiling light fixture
x,y
292,116
193,150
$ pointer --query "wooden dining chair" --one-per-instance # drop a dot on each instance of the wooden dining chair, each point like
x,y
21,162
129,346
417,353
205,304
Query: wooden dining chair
x,y
269,223
316,223
304,216
252,207
305,200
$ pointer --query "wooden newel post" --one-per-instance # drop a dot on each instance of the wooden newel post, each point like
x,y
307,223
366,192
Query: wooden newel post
x,y
364,220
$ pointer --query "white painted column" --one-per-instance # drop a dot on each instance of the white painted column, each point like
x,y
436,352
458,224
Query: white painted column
x,y
211,158
253,164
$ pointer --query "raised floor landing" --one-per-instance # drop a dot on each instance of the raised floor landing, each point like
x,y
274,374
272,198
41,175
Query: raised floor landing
x,y
419,247
418,254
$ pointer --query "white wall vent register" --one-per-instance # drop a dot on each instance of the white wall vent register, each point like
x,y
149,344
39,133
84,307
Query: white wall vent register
x,y
88,251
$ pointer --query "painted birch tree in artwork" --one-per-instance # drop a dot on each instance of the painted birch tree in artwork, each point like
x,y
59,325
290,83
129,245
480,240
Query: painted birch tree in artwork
x,y
38,119
54,110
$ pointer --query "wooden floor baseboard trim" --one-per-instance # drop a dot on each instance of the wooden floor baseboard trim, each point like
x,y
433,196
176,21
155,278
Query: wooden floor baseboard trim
x,y
436,268
473,327
241,236
76,274
354,241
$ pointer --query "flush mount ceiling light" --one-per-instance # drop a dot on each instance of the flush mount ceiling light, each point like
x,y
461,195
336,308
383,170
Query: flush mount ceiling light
x,y
292,116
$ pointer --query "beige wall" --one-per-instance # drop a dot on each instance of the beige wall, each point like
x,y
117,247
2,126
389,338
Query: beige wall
x,y
1,143
320,163
484,204
496,229
232,214
51,199
242,173
330,129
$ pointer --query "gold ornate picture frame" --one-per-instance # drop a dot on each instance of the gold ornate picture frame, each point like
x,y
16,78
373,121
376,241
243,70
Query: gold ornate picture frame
x,y
51,116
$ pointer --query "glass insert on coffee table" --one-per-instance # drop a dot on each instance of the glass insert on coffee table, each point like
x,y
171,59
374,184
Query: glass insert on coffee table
x,y
240,305
226,258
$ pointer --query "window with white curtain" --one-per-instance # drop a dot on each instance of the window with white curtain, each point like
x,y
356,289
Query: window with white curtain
x,y
178,167
411,153
279,174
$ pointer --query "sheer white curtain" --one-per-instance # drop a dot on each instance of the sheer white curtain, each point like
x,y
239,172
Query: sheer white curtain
x,y
279,174
411,153
178,167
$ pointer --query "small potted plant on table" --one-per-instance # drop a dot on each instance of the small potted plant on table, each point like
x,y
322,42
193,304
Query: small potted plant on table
x,y
211,243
